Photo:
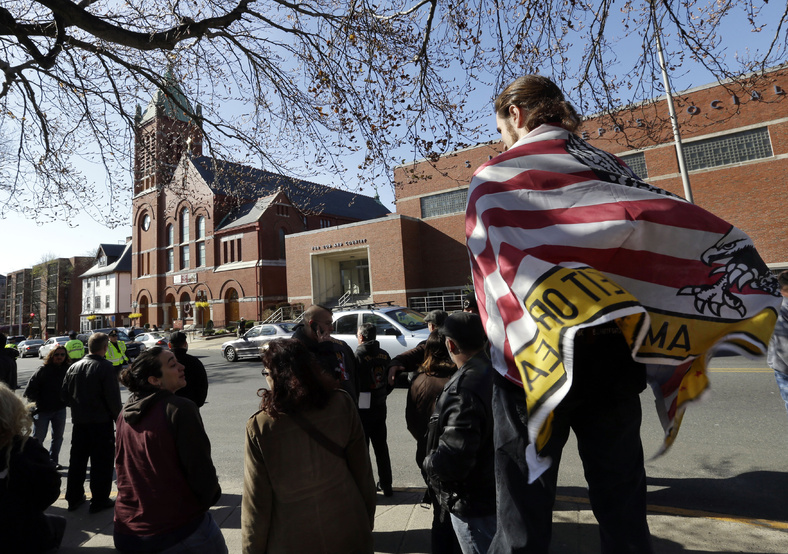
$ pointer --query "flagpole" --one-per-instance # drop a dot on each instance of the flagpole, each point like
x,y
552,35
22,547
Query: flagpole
x,y
672,110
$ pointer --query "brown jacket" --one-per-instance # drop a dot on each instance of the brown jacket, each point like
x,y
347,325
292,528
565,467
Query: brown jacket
x,y
298,496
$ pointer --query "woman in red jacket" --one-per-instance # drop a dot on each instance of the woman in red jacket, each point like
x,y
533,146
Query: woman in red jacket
x,y
166,478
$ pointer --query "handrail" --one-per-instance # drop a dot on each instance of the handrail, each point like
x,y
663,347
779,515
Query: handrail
x,y
276,316
344,298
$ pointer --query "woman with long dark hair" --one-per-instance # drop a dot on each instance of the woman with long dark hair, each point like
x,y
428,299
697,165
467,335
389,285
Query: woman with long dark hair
x,y
308,484
166,478
43,388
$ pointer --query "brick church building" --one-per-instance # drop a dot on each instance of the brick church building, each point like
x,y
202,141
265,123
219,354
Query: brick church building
x,y
735,140
209,236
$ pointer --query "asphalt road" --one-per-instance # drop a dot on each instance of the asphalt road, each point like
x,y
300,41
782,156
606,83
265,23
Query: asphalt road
x,y
729,459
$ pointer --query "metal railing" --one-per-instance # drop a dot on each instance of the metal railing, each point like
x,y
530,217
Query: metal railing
x,y
451,302
286,313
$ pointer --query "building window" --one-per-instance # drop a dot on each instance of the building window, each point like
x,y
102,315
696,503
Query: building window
x,y
102,261
238,249
729,149
185,225
170,253
637,163
106,279
185,257
97,302
325,223
282,234
200,254
87,304
200,232
106,301
444,203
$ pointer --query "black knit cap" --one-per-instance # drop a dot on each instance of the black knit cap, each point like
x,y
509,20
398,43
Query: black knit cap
x,y
465,329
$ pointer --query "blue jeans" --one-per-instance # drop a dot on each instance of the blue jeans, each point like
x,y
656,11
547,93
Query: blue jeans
x,y
41,424
207,539
475,534
782,383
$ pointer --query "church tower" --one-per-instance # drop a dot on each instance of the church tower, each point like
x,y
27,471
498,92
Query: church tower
x,y
163,132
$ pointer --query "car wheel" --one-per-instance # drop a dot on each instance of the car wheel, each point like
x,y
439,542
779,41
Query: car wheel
x,y
231,354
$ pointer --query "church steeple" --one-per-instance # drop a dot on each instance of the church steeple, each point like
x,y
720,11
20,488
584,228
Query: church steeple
x,y
164,131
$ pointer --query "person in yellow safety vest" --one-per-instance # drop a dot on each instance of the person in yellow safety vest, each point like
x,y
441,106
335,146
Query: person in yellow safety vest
x,y
74,347
116,351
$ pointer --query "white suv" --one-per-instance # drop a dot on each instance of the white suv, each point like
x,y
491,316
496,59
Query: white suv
x,y
399,329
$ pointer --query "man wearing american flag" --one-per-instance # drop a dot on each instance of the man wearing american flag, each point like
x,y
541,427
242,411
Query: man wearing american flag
x,y
589,281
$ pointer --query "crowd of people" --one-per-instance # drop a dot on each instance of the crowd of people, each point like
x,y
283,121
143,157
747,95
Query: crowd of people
x,y
489,434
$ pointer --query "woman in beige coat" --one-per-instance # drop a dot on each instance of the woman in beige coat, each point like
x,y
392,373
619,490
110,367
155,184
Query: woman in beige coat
x,y
308,484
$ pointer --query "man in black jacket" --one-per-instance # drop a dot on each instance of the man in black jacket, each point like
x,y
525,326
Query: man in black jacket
x,y
196,388
8,363
459,465
92,392
372,367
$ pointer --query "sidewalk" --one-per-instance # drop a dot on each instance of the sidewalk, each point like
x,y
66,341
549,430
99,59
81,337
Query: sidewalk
x,y
402,526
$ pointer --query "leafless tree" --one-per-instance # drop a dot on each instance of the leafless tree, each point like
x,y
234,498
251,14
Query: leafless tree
x,y
316,85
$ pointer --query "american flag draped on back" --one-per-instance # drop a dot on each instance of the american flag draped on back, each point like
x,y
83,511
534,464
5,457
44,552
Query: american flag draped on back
x,y
564,236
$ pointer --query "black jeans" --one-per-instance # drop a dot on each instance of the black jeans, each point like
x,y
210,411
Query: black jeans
x,y
607,426
94,441
373,420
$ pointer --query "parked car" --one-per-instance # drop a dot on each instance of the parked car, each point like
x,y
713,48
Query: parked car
x,y
133,348
154,338
44,349
249,345
399,328
29,347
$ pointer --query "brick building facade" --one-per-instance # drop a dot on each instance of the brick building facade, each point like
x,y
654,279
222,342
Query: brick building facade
x,y
736,145
209,236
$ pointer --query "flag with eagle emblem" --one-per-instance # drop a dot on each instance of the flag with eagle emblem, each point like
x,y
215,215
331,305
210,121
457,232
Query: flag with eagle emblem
x,y
564,236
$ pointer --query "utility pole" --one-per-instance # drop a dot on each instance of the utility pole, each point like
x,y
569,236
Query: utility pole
x,y
672,110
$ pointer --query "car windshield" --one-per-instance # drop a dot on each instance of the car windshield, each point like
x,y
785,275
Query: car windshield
x,y
62,340
287,327
410,319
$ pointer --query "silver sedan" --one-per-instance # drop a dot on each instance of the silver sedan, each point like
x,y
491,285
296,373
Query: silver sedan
x,y
249,345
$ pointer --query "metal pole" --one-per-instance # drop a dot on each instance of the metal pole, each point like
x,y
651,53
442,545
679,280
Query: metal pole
x,y
673,119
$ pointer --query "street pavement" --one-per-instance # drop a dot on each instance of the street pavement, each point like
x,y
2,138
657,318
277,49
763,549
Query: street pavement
x,y
402,523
